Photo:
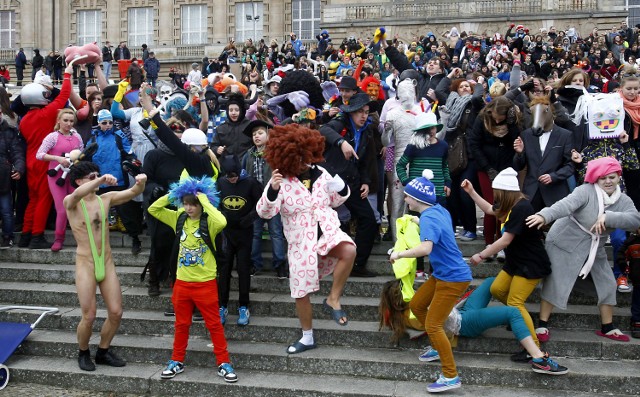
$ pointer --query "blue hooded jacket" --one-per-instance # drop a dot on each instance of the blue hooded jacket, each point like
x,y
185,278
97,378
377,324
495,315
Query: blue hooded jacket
x,y
110,151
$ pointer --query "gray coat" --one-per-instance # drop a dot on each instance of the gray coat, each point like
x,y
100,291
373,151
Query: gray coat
x,y
568,246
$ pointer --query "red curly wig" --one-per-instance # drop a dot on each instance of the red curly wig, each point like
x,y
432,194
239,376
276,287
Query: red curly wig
x,y
291,147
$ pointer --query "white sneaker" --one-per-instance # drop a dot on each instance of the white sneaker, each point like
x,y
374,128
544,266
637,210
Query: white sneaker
x,y
500,256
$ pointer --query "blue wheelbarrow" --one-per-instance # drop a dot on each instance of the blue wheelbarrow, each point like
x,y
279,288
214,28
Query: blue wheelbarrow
x,y
13,334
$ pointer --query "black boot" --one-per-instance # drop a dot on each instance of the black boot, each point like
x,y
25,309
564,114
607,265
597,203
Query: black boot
x,y
25,239
38,242
136,245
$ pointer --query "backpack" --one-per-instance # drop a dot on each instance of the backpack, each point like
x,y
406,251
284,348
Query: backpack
x,y
204,234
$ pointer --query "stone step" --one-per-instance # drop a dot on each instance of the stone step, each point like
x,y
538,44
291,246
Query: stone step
x,y
120,240
569,342
378,264
144,379
270,304
264,282
368,365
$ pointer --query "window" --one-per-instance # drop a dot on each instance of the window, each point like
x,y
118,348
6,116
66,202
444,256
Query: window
x,y
249,18
194,24
305,18
140,26
7,29
89,26
634,12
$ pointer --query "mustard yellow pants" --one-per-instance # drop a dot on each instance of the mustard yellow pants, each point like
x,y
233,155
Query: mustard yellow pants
x,y
432,304
514,291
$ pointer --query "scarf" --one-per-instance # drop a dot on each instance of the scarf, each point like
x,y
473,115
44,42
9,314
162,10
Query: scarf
x,y
456,105
604,200
633,110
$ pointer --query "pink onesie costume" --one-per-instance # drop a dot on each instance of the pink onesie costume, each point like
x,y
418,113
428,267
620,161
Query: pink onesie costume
x,y
302,212
57,144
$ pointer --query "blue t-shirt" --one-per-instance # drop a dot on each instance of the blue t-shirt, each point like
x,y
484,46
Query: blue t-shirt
x,y
446,258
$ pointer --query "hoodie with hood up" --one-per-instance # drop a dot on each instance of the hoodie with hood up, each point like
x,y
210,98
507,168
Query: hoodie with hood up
x,y
238,200
230,133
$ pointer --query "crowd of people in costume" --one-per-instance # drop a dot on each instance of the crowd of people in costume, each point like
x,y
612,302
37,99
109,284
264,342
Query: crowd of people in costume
x,y
317,145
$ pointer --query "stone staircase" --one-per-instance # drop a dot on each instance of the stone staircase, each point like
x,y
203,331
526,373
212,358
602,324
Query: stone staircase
x,y
357,360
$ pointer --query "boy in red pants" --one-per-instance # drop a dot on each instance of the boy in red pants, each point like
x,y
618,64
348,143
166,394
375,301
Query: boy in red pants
x,y
196,284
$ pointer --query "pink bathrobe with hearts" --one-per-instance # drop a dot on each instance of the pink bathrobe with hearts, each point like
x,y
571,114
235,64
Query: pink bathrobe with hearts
x,y
302,212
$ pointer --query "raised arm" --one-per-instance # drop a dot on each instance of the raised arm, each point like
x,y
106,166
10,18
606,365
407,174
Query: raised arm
x,y
121,197
82,191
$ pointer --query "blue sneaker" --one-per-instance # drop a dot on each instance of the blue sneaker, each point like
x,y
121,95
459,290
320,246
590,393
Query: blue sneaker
x,y
173,369
223,314
243,315
430,354
546,365
443,384
228,374
468,236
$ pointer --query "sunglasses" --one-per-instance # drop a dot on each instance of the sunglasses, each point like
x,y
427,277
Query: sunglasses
x,y
106,123
92,176
177,128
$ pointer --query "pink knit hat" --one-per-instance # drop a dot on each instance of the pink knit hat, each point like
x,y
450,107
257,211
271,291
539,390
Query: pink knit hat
x,y
600,167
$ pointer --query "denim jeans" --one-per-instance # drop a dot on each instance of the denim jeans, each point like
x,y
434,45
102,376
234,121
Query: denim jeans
x,y
106,69
618,236
6,211
277,242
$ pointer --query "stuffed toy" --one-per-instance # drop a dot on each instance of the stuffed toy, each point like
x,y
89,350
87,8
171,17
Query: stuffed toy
x,y
74,156
228,81
91,51
378,36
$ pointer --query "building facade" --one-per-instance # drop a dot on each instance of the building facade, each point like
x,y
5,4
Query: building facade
x,y
189,29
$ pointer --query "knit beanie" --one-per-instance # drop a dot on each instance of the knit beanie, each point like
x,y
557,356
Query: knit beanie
x,y
103,115
422,189
507,179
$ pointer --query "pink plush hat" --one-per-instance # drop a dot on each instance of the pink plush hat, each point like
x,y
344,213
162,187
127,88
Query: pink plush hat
x,y
600,167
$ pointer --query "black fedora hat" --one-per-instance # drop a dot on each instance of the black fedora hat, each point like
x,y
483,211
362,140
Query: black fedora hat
x,y
357,102
348,83
248,130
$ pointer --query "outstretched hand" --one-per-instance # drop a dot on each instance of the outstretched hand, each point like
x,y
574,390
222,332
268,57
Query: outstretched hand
x,y
467,186
536,221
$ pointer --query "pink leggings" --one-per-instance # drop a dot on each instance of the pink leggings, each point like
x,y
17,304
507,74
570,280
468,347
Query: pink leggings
x,y
59,193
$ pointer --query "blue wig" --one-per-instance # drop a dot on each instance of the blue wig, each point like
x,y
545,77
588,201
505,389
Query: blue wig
x,y
177,103
194,186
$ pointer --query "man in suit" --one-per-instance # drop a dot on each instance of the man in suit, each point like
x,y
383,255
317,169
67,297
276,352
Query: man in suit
x,y
545,149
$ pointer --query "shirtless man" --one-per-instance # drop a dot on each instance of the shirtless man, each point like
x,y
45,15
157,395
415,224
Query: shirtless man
x,y
94,264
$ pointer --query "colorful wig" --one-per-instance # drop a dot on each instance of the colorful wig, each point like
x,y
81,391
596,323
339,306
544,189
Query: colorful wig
x,y
291,148
193,186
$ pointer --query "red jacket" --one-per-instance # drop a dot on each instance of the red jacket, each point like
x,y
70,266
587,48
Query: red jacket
x,y
38,123
5,74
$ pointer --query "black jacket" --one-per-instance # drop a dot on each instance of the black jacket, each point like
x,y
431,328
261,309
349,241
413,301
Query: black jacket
x,y
426,81
12,155
107,54
556,161
489,151
355,172
197,165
